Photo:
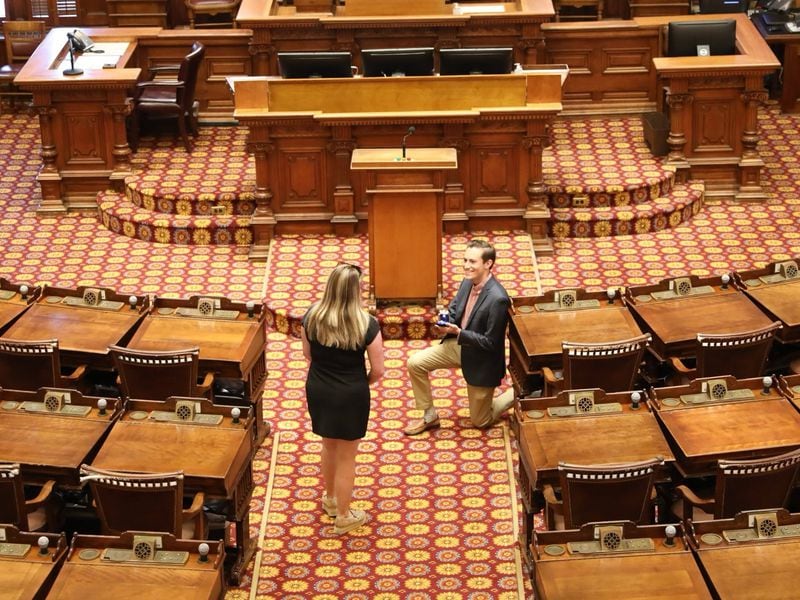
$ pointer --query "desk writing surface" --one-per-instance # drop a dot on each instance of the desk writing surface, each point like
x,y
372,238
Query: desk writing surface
x,y
675,323
10,311
47,440
542,332
624,437
22,578
82,580
781,300
754,571
630,576
77,328
218,339
723,429
211,457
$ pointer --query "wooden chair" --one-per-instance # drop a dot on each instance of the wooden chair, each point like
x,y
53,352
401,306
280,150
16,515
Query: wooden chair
x,y
21,39
29,365
744,485
742,355
161,98
26,515
592,493
212,8
612,366
144,502
157,375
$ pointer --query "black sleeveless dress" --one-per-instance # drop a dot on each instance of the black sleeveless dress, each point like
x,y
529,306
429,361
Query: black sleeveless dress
x,y
337,391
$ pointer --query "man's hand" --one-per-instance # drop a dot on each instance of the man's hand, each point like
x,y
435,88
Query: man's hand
x,y
450,328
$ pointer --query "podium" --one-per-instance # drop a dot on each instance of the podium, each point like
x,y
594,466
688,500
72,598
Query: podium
x,y
405,197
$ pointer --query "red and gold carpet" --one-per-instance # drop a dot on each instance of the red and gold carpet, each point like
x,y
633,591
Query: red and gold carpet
x,y
443,507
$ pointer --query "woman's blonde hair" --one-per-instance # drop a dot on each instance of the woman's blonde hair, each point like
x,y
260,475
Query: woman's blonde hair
x,y
339,320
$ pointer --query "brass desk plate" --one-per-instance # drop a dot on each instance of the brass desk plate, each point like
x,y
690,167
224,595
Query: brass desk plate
x,y
138,415
712,539
7,294
730,396
643,298
102,305
9,405
68,410
534,414
164,557
752,283
554,550
88,554
751,534
774,278
578,305
165,310
16,550
229,315
597,409
525,309
700,290
199,419
596,547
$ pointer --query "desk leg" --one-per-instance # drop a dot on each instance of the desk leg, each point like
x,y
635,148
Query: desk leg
x,y
237,557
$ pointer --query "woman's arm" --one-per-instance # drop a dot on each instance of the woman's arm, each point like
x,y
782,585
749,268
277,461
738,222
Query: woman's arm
x,y
375,355
306,345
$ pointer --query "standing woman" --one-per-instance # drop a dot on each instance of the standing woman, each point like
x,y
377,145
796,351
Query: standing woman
x,y
336,332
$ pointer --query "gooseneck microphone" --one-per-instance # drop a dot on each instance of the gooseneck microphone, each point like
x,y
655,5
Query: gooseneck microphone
x,y
71,46
411,130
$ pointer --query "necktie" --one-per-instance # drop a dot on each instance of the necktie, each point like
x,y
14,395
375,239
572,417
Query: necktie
x,y
473,297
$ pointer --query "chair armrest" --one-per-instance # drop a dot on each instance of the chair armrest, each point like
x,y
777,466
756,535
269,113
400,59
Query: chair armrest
x,y
208,381
35,503
172,83
689,496
196,507
550,376
164,68
680,367
553,503
76,374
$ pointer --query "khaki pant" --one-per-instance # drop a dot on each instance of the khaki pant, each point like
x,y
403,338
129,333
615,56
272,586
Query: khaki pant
x,y
447,355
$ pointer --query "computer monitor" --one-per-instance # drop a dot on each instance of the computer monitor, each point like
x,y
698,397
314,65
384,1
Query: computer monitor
x,y
711,7
302,65
471,61
776,5
396,62
718,37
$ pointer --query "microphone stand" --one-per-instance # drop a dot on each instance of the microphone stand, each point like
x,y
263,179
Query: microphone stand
x,y
411,130
72,70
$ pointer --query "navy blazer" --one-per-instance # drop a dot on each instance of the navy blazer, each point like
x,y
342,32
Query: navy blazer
x,y
483,357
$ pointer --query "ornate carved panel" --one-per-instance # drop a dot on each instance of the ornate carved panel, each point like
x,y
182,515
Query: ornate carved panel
x,y
494,171
85,140
713,129
303,180
626,60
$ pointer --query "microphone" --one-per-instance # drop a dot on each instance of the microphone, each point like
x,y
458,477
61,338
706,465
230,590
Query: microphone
x,y
411,130
70,46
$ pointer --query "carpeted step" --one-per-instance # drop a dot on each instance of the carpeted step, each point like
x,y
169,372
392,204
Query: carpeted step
x,y
669,211
120,216
174,193
602,163
611,191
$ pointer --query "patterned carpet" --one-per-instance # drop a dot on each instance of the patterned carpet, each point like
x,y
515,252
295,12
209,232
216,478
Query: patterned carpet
x,y
444,507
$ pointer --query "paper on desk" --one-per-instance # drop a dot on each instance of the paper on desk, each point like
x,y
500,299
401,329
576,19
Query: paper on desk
x,y
467,9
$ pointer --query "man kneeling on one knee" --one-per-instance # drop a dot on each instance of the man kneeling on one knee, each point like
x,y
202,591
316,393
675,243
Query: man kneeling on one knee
x,y
474,339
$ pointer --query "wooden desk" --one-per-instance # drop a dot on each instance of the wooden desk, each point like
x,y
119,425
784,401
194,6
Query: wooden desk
x,y
664,572
601,438
762,568
84,333
789,385
701,434
31,574
216,460
388,24
92,576
790,92
405,194
50,445
674,323
235,348
12,303
779,300
497,123
535,336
